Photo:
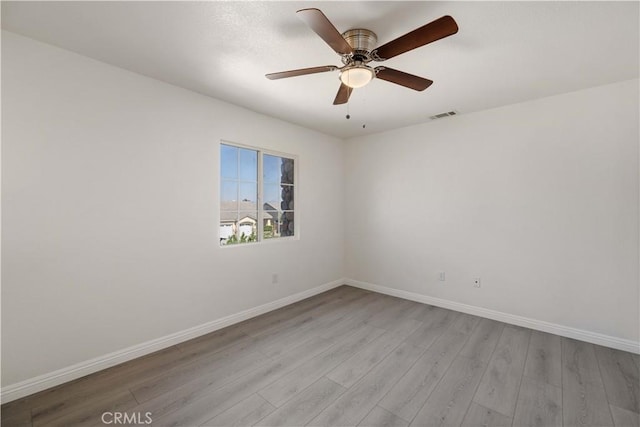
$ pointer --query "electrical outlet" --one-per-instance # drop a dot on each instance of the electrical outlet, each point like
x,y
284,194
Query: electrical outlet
x,y
476,282
442,277
274,278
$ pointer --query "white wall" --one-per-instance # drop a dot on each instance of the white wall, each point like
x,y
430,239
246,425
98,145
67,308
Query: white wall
x,y
110,220
539,199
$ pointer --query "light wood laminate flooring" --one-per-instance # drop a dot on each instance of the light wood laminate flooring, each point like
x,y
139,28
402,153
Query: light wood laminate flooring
x,y
349,357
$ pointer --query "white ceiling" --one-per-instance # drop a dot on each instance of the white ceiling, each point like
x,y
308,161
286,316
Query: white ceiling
x,y
504,53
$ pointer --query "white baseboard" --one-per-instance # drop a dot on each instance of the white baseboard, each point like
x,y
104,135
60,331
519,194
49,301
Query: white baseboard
x,y
45,381
565,331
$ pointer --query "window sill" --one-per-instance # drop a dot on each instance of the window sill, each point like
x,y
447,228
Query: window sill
x,y
263,242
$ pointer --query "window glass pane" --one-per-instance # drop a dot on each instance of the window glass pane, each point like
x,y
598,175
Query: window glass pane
x,y
270,225
226,230
271,168
287,226
228,161
279,197
229,195
248,165
278,224
286,171
248,196
272,197
228,221
247,227
277,169
286,197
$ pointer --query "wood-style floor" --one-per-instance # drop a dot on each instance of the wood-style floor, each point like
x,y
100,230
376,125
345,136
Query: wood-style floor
x,y
350,357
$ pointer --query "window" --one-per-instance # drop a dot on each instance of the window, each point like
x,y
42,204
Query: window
x,y
257,195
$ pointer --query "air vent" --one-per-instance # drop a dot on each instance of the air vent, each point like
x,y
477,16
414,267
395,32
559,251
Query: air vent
x,y
441,115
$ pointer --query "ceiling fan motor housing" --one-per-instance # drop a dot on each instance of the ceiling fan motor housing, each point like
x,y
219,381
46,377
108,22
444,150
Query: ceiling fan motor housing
x,y
362,41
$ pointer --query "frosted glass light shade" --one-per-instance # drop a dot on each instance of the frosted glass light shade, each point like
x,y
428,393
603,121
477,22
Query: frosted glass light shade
x,y
356,77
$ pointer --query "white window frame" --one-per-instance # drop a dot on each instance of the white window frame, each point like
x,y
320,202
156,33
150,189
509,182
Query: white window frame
x,y
260,202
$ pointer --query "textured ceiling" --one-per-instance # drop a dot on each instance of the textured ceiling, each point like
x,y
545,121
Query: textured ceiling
x,y
504,53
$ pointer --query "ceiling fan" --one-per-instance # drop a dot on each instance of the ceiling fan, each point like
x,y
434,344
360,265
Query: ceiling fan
x,y
357,49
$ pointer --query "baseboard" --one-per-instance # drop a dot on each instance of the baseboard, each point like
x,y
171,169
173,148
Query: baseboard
x,y
52,379
565,331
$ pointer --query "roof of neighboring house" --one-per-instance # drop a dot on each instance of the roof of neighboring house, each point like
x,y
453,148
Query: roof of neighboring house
x,y
229,211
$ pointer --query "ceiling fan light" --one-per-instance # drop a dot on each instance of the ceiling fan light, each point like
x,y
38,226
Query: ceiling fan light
x,y
356,77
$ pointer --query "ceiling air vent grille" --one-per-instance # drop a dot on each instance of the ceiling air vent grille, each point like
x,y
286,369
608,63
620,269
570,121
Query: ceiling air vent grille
x,y
441,115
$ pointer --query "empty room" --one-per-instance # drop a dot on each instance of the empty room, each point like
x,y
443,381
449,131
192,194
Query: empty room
x,y
345,213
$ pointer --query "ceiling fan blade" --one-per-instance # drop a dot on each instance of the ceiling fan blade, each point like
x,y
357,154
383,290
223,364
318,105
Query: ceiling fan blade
x,y
300,72
319,23
343,94
435,30
403,79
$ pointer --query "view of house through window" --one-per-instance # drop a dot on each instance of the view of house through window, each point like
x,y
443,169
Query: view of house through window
x,y
256,195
